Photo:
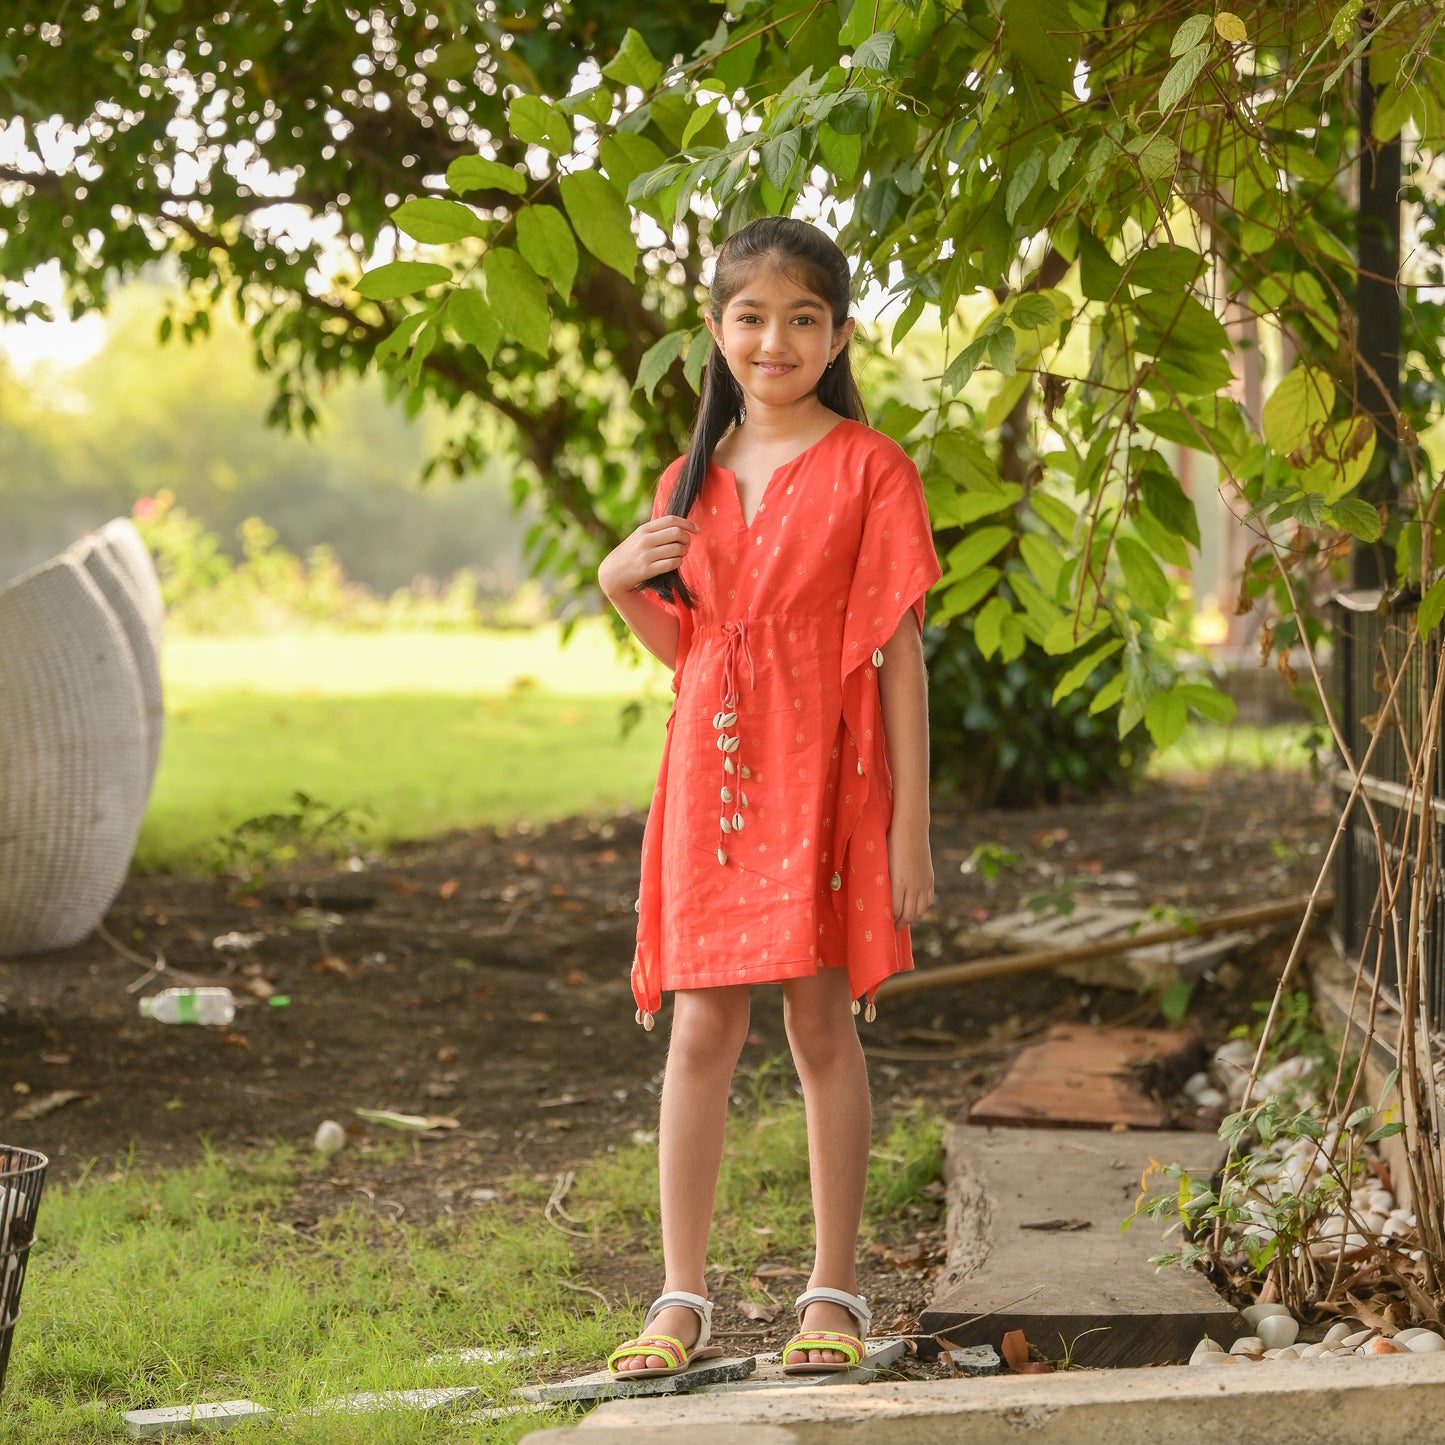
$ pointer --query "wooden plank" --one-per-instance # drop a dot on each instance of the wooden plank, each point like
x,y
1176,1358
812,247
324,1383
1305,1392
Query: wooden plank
x,y
1084,1076
1081,1275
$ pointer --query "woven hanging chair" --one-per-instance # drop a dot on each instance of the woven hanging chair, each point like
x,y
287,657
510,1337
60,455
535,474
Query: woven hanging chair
x,y
103,554
73,757
134,559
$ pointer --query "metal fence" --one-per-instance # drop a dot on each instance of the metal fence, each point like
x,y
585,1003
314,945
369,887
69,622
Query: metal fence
x,y
1372,637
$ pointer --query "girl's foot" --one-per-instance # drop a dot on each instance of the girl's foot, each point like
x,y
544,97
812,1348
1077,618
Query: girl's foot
x,y
676,1320
824,1315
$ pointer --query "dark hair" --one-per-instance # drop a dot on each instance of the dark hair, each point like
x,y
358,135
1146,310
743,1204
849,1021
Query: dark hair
x,y
810,256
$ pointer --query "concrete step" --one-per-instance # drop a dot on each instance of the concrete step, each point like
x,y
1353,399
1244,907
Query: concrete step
x,y
1336,1402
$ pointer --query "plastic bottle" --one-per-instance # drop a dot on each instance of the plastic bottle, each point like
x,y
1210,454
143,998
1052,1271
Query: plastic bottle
x,y
190,1006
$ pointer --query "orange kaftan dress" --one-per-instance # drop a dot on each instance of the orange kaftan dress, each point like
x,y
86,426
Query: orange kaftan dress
x,y
765,853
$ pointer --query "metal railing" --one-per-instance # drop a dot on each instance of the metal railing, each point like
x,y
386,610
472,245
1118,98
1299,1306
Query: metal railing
x,y
1372,644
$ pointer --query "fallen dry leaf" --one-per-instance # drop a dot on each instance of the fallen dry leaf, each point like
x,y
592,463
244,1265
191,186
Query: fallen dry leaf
x,y
48,1104
537,1017
331,963
59,1060
607,855
779,1271
259,987
446,1054
1015,1350
235,1040
450,888
405,885
577,978
1069,1225
764,1314
411,1123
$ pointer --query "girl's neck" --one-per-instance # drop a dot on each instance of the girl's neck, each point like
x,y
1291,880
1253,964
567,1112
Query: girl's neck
x,y
765,425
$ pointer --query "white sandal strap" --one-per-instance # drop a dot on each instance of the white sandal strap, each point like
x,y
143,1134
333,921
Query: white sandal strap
x,y
681,1299
855,1304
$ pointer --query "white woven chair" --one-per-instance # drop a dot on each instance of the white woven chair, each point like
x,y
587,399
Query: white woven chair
x,y
134,558
105,556
73,757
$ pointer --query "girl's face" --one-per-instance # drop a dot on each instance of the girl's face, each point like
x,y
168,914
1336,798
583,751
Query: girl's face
x,y
777,337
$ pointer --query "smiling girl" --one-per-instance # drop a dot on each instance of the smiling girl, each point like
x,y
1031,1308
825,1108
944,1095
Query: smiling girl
x,y
782,578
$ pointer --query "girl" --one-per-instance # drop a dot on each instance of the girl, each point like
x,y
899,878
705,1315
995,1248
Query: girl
x,y
781,578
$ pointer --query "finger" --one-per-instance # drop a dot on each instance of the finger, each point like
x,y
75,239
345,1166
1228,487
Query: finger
x,y
669,520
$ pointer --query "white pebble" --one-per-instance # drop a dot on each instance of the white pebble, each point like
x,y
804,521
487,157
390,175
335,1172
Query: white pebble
x,y
1195,1083
1313,1352
1402,1337
330,1137
1354,1341
1253,1314
1247,1345
1381,1201
1425,1343
1339,1330
1288,1352
1209,1099
1277,1331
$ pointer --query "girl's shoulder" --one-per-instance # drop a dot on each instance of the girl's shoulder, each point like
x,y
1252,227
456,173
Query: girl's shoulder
x,y
875,454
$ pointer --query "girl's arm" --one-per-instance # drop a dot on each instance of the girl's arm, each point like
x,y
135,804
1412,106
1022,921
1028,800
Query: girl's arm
x,y
655,547
903,691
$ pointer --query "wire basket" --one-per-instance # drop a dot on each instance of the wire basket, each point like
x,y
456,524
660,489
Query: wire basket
x,y
22,1175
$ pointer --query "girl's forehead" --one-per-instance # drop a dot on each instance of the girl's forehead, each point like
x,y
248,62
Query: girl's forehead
x,y
771,283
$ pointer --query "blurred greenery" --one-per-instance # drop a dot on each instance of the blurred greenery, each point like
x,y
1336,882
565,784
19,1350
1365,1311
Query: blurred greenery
x,y
82,443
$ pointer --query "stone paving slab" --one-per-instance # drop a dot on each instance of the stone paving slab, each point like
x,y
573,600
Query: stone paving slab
x,y
1387,1398
1057,1284
877,1355
192,1419
603,1385
372,1402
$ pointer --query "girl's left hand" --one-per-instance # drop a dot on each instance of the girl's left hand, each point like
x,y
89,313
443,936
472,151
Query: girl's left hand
x,y
910,864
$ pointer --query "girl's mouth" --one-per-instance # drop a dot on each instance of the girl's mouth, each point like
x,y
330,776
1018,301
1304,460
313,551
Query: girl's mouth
x,y
773,368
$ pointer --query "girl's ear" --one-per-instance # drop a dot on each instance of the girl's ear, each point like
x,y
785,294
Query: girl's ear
x,y
713,328
841,337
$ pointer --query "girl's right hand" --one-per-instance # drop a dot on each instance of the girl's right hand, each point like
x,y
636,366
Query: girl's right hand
x,y
655,547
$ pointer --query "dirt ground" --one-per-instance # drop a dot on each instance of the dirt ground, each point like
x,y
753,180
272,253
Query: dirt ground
x,y
483,976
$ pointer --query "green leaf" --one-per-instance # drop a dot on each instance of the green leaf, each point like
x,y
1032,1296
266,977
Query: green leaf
x,y
1069,633
698,348
1357,518
1081,671
1060,159
1144,577
401,278
1108,695
455,59
1207,700
962,456
517,299
988,625
1100,275
1043,559
545,239
472,319
601,219
626,156
876,52
963,366
1190,33
657,359
477,173
1432,609
1231,27
700,118
841,153
1339,457
1296,407
401,335
1033,309
1157,155
1165,715
976,549
1021,183
535,121
1165,268
779,155
963,595
1165,498
966,508
634,63
1167,546
1058,515
435,221
1385,1131
1001,353
1182,75
1043,39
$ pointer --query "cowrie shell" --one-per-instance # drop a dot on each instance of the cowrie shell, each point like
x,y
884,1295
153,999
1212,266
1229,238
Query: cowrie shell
x,y
737,822
727,795
726,826
877,657
728,719
835,882
860,767
727,765
733,744
743,799
857,1008
717,719
747,771
869,1014
722,856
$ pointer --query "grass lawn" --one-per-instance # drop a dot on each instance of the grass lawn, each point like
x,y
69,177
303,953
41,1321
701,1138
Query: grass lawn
x,y
428,731
425,731
190,1285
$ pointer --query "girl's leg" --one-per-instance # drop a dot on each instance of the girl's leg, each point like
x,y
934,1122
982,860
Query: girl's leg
x,y
829,1059
709,1027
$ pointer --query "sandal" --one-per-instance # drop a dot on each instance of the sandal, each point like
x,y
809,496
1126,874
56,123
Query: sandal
x,y
805,1340
668,1347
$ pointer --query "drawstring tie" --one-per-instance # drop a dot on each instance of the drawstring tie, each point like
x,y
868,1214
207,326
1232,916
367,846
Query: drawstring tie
x,y
736,653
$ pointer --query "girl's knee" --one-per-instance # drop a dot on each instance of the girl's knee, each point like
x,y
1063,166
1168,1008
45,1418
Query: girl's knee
x,y
821,1032
709,1028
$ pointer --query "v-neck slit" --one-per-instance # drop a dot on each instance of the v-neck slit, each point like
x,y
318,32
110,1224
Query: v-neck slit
x,y
747,526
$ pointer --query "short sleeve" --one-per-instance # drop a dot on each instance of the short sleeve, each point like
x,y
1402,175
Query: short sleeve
x,y
896,563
